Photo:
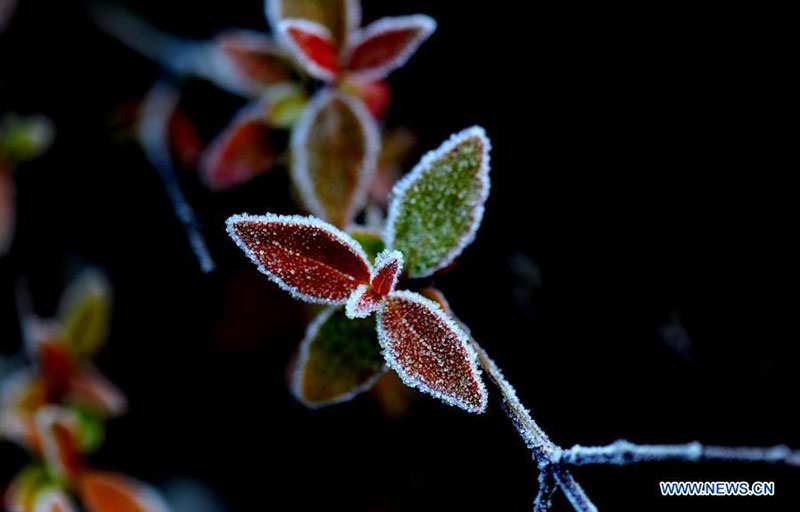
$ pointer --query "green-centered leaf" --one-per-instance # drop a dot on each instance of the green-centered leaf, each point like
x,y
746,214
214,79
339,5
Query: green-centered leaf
x,y
437,208
335,148
85,313
338,359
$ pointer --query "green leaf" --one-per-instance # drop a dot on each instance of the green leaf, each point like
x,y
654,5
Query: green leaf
x,y
339,358
437,208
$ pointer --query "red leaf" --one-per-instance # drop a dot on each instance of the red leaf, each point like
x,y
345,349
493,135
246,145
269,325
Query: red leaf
x,y
362,302
376,94
313,46
386,44
240,153
388,265
254,58
184,140
92,389
311,259
110,492
429,351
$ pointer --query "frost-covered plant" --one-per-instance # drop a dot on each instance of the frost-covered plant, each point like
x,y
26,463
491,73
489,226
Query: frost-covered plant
x,y
335,138
317,262
434,214
57,407
21,139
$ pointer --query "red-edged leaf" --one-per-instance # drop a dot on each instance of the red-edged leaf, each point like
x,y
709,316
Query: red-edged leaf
x,y
338,358
240,153
255,59
102,491
335,148
311,259
185,142
429,351
363,302
7,210
341,17
386,44
53,500
58,430
92,389
388,265
312,46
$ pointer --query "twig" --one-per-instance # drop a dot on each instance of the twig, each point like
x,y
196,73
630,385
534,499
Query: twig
x,y
547,487
158,106
622,453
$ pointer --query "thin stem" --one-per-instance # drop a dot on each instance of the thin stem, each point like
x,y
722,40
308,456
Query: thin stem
x,y
544,451
622,453
547,486
157,109
572,490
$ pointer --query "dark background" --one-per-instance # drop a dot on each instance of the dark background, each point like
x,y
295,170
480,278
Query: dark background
x,y
638,188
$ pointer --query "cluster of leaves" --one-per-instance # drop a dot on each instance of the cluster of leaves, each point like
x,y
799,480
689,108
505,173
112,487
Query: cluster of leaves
x,y
57,407
21,139
335,139
434,214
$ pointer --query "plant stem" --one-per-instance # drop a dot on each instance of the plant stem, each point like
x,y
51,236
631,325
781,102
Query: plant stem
x,y
623,453
157,109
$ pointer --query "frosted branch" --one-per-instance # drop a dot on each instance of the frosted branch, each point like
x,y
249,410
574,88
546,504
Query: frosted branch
x,y
158,106
622,453
547,486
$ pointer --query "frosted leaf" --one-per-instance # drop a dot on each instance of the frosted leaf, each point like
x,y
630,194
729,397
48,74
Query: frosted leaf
x,y
25,487
388,265
283,104
339,358
240,153
429,351
253,58
8,212
437,208
59,433
53,500
102,491
341,17
386,44
368,239
85,313
24,138
335,148
362,302
21,394
184,141
311,259
313,47
93,390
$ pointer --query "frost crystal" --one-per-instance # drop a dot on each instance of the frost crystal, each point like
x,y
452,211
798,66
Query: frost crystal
x,y
335,148
387,44
311,259
429,351
313,46
363,302
339,358
437,208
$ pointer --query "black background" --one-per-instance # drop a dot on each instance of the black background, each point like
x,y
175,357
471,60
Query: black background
x,y
637,163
